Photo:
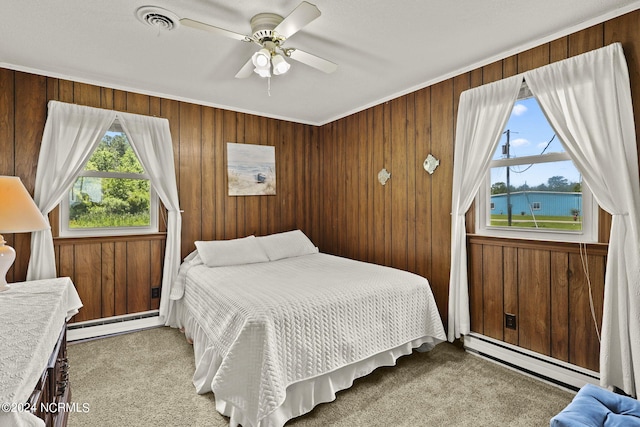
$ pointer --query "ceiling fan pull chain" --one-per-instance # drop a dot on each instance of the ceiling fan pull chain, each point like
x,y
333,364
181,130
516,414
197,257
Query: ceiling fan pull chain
x,y
269,85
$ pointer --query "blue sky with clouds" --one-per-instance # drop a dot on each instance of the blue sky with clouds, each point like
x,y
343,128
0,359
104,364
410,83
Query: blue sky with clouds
x,y
530,134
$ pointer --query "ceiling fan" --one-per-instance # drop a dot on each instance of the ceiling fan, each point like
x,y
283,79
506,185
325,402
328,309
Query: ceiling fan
x,y
270,31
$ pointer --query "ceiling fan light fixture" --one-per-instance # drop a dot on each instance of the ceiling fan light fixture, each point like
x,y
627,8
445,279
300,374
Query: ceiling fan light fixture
x,y
263,71
261,58
270,31
280,66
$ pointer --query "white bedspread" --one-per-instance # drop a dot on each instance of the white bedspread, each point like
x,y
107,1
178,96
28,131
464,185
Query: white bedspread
x,y
273,324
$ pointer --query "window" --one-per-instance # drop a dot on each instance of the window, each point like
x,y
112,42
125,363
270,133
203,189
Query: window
x,y
533,190
112,195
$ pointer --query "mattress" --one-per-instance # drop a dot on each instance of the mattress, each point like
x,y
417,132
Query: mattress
x,y
273,339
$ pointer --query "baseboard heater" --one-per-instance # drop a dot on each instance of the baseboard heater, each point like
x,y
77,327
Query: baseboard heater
x,y
113,325
547,369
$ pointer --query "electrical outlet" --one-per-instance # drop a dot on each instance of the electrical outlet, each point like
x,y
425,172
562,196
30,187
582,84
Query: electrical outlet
x,y
510,321
155,292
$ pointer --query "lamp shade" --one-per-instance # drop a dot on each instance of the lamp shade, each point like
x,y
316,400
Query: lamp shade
x,y
18,211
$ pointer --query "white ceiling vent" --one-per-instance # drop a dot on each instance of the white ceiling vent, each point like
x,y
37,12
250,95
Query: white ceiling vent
x,y
158,17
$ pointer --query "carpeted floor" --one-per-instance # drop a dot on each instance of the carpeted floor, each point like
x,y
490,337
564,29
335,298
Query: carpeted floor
x,y
144,379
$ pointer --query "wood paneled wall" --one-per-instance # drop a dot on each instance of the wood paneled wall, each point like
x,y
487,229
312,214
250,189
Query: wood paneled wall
x,y
115,276
546,286
407,224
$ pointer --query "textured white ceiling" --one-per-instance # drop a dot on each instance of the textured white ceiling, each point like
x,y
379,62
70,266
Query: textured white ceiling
x,y
383,48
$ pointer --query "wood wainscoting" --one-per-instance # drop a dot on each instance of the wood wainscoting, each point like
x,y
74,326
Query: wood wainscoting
x,y
544,284
113,275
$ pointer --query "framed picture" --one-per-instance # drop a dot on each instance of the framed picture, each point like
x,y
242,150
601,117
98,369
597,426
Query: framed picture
x,y
251,169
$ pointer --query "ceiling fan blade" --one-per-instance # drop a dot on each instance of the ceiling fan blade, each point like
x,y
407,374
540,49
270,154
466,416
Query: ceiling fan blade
x,y
246,70
313,61
297,19
219,31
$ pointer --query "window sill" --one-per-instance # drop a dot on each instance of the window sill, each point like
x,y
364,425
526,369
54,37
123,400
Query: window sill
x,y
115,238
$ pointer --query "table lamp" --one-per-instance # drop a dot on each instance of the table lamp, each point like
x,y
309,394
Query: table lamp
x,y
18,214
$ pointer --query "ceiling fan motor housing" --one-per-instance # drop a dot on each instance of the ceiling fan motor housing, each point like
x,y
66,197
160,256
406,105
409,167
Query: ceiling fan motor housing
x,y
262,26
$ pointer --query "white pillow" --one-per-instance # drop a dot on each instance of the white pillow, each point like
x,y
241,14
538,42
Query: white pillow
x,y
218,253
286,245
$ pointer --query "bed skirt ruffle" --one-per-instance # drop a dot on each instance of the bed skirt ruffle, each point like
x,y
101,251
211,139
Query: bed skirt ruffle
x,y
302,396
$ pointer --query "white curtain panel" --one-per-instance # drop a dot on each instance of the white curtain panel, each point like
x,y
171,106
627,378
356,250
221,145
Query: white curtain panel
x,y
587,100
150,138
71,134
483,113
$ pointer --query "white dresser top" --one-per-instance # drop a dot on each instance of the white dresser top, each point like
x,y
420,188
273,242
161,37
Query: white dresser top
x,y
32,315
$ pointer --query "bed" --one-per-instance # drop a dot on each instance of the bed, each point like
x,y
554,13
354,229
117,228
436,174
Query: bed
x,y
278,327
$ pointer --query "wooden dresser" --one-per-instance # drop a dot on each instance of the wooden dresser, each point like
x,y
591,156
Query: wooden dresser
x,y
34,375
51,398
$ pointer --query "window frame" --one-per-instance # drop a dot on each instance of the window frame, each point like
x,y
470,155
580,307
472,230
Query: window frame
x,y
589,232
152,228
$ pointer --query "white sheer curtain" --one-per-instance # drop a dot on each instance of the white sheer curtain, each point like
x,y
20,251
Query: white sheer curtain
x,y
587,100
150,138
71,133
483,113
